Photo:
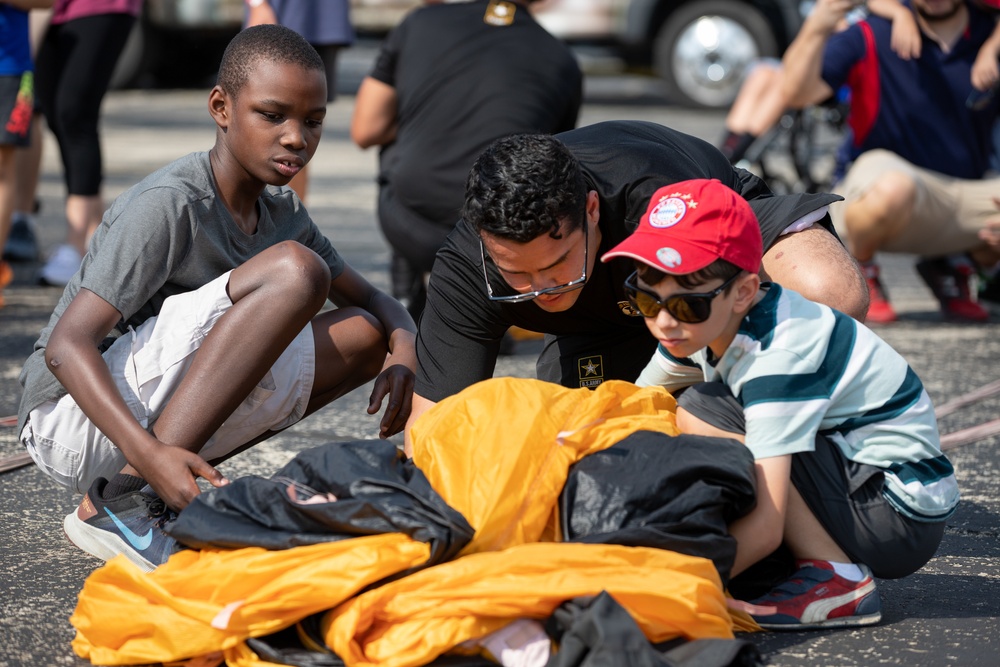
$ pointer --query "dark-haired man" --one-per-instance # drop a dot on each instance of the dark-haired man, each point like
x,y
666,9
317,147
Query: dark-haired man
x,y
540,209
920,144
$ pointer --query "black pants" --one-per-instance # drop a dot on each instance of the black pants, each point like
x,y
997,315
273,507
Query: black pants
x,y
73,70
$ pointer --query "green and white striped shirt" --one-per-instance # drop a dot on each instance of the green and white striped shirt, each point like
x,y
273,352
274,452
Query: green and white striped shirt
x,y
800,368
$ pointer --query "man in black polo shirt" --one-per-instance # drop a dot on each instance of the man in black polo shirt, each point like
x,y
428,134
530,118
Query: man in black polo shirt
x,y
540,210
448,80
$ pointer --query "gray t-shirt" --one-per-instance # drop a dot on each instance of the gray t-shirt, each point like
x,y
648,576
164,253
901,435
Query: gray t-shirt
x,y
168,234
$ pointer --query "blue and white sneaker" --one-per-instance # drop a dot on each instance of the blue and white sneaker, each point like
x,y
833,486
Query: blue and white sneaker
x,y
131,524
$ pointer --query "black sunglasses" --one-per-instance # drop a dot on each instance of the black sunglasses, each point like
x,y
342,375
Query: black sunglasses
x,y
687,308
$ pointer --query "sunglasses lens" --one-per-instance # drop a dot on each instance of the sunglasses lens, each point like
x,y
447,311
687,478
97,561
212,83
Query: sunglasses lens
x,y
689,309
644,303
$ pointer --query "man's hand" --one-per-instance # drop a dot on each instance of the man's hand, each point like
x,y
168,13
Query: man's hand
x,y
396,380
171,471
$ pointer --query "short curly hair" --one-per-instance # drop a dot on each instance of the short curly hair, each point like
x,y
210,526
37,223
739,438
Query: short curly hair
x,y
523,186
274,43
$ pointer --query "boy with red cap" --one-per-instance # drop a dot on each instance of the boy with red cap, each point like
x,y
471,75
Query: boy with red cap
x,y
850,475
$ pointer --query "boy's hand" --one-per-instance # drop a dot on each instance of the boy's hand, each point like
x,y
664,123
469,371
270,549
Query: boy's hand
x,y
905,39
397,381
171,471
985,72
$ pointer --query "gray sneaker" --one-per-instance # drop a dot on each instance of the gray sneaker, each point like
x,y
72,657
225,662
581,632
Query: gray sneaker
x,y
131,524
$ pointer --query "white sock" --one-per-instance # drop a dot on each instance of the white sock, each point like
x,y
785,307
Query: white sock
x,y
849,571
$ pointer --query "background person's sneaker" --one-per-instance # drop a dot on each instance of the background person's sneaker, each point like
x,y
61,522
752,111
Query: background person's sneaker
x,y
131,524
817,597
22,244
950,280
880,311
62,266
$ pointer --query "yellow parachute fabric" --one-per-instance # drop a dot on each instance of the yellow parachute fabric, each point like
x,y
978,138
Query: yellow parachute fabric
x,y
499,451
413,620
204,601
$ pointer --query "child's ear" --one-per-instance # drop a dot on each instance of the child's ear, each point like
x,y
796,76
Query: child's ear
x,y
747,287
218,107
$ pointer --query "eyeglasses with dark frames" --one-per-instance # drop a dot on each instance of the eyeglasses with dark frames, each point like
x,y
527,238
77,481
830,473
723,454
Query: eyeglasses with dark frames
x,y
557,289
688,308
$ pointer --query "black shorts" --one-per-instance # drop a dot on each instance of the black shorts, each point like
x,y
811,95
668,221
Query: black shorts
x,y
17,103
588,360
845,496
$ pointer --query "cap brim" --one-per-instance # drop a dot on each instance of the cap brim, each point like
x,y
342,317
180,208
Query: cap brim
x,y
682,257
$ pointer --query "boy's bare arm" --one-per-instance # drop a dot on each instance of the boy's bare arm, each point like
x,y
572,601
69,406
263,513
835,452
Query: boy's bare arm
x,y
397,376
905,40
985,71
802,63
761,531
72,355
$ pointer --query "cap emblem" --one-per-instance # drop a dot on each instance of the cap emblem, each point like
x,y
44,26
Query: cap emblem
x,y
667,212
668,257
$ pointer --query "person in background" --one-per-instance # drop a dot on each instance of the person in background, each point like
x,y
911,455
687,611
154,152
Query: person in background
x,y
448,80
17,97
22,242
75,62
761,99
921,142
326,24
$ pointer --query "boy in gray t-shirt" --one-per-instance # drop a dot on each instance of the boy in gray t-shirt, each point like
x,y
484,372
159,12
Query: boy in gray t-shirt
x,y
193,328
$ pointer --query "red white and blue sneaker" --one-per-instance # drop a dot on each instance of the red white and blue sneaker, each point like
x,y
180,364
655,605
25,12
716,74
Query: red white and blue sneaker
x,y
131,524
816,597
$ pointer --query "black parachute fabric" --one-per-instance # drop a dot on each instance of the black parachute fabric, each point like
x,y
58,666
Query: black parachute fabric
x,y
669,492
332,492
599,632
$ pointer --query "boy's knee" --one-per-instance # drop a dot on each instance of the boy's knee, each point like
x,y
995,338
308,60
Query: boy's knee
x,y
299,268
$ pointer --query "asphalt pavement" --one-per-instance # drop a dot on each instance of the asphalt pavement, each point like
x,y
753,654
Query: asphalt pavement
x,y
948,613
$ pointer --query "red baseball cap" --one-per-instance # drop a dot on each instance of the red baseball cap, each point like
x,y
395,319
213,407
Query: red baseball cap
x,y
689,225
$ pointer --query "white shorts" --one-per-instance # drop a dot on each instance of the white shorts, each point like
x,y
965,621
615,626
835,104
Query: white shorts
x,y
147,365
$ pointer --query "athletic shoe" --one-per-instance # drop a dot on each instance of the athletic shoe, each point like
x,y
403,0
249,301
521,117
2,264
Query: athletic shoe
x,y
131,524
950,282
6,276
22,245
61,267
817,597
879,309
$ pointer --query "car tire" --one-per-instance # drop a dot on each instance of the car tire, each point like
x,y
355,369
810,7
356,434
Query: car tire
x,y
703,63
